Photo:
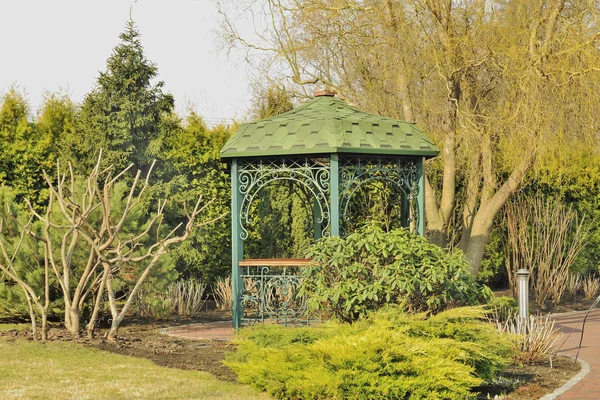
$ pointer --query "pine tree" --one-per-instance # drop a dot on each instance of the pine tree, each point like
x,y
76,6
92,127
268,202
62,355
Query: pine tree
x,y
122,114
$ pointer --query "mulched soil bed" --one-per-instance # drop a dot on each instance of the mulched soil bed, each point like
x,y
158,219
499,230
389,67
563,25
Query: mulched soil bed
x,y
148,342
533,381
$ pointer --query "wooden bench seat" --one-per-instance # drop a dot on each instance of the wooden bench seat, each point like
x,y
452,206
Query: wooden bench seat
x,y
276,262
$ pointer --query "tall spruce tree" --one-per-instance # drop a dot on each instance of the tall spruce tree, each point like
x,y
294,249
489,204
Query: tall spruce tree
x,y
122,114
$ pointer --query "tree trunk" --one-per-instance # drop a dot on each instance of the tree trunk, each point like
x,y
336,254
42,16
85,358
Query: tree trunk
x,y
470,202
31,315
483,220
72,313
44,327
92,324
480,233
435,224
114,328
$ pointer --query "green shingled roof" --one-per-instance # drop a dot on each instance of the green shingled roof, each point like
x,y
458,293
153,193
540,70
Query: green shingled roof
x,y
326,124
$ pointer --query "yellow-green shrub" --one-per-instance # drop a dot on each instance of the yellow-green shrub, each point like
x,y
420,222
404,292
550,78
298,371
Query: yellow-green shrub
x,y
389,355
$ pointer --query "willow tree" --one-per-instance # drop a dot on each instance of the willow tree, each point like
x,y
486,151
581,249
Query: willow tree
x,y
500,84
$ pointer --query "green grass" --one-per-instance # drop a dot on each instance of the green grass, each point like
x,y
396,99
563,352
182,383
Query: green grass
x,y
59,370
19,327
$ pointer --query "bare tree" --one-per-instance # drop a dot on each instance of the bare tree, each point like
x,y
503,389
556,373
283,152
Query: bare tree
x,y
88,239
9,250
127,251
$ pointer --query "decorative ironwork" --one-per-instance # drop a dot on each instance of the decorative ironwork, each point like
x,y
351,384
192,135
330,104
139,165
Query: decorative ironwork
x,y
399,172
311,173
272,293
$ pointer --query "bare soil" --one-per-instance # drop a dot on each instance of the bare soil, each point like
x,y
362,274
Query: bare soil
x,y
531,382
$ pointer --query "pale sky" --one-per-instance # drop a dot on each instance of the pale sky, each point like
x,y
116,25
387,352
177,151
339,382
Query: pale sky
x,y
63,44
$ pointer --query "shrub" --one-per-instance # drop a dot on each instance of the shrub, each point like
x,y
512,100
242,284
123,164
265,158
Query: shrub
x,y
502,308
591,284
370,269
389,355
534,339
183,298
504,302
223,293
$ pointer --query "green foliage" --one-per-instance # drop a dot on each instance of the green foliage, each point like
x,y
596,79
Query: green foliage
x,y
192,168
370,269
57,120
24,151
493,268
29,261
504,302
122,114
389,355
281,222
574,176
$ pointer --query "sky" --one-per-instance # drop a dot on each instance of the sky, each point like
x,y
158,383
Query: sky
x,y
63,44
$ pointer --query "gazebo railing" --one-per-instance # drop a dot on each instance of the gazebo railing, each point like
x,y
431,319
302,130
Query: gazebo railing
x,y
270,291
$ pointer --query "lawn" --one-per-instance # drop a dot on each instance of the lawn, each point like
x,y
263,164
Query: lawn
x,y
52,370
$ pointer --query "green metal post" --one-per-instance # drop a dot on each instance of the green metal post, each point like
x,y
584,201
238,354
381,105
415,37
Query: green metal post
x,y
316,217
334,192
421,197
404,210
237,246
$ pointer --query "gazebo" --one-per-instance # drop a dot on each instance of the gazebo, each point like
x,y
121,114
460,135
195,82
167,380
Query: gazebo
x,y
330,149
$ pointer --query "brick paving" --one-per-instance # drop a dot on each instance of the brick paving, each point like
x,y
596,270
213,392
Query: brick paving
x,y
221,330
571,323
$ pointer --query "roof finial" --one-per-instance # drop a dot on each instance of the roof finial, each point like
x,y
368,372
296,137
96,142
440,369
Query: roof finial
x,y
325,92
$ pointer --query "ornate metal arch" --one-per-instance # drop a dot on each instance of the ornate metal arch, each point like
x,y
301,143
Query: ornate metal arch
x,y
356,171
312,173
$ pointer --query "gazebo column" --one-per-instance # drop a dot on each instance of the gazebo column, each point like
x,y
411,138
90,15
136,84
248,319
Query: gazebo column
x,y
404,210
317,217
421,197
237,246
334,194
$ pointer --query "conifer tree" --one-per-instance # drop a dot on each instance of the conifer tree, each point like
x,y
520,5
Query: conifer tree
x,y
122,114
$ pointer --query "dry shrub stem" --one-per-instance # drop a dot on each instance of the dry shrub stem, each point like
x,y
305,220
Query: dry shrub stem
x,y
183,298
223,293
544,236
591,285
535,337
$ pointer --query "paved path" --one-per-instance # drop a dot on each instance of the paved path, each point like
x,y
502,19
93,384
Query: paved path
x,y
221,330
589,387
